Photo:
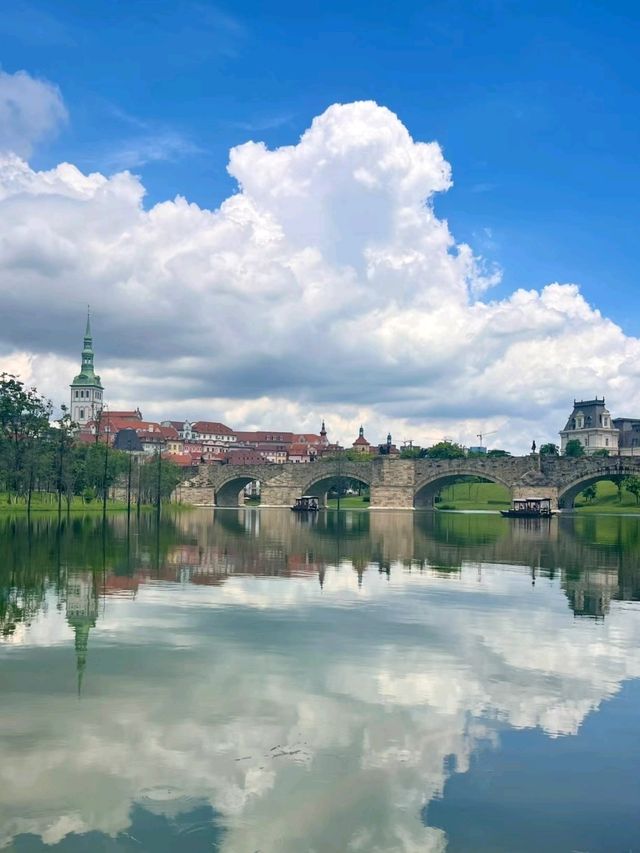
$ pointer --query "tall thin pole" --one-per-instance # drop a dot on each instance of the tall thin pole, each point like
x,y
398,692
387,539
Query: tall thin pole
x,y
159,483
106,465
129,491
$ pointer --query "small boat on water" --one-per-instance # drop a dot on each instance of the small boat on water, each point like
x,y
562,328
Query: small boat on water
x,y
529,508
307,503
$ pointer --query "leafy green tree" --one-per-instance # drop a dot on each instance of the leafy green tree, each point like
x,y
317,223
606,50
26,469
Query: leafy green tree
x,y
550,449
632,484
169,473
590,493
602,451
497,453
24,423
412,452
445,450
574,448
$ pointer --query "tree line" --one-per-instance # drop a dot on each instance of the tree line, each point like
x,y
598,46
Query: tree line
x,y
43,457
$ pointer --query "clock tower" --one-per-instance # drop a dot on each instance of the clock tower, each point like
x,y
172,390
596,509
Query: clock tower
x,y
86,388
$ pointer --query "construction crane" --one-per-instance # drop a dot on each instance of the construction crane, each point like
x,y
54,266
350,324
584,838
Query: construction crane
x,y
482,435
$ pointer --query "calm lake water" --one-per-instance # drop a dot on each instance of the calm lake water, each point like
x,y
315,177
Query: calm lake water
x,y
258,681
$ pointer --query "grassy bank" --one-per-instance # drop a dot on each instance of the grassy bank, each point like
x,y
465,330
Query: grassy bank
x,y
49,503
491,496
607,500
349,502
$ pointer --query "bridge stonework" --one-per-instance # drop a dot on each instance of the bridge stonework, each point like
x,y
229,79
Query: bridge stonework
x,y
403,483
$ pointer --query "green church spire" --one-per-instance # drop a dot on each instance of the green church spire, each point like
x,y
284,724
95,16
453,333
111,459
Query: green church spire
x,y
87,375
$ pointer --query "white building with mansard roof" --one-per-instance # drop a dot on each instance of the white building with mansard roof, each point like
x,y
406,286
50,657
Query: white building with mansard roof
x,y
590,423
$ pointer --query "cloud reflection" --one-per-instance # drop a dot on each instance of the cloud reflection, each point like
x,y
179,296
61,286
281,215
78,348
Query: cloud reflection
x,y
306,718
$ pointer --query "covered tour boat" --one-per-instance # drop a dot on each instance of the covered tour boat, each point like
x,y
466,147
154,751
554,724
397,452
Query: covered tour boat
x,y
307,503
529,508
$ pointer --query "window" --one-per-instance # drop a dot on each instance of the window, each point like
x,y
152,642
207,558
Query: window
x,y
606,441
81,414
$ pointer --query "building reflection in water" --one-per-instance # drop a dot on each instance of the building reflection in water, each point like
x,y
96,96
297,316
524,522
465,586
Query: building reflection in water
x,y
81,601
596,559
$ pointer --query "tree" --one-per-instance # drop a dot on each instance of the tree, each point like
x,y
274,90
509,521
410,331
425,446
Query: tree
x,y
24,423
170,476
602,451
64,467
590,493
412,452
574,448
496,453
632,484
445,450
550,449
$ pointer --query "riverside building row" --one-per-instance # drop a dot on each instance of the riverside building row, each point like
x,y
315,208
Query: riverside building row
x,y
190,443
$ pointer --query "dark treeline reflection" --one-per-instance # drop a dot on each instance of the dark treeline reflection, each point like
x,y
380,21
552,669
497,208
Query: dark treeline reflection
x,y
80,560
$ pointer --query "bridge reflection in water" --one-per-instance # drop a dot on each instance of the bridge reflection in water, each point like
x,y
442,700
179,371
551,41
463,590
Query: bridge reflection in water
x,y
595,559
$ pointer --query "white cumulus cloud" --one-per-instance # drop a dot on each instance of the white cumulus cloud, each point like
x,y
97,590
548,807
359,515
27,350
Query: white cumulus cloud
x,y
325,286
30,109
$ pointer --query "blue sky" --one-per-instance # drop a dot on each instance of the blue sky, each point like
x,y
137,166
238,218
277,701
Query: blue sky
x,y
536,104
320,238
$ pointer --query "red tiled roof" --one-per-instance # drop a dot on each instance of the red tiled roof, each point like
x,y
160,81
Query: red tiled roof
x,y
184,460
169,432
361,441
211,427
300,450
134,413
257,436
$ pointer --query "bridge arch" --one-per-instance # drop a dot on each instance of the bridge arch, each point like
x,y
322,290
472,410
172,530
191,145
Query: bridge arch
x,y
425,490
320,484
614,473
229,488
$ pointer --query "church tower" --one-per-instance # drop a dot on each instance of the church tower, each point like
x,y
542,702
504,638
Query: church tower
x,y
86,388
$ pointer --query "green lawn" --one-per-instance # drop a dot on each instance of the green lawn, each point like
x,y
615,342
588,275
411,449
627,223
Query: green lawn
x,y
607,500
349,502
49,503
490,496
469,496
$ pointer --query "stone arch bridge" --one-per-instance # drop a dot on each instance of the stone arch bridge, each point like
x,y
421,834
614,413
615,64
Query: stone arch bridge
x,y
403,483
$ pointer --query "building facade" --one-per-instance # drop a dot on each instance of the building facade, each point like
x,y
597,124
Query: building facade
x,y
86,389
629,435
590,423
